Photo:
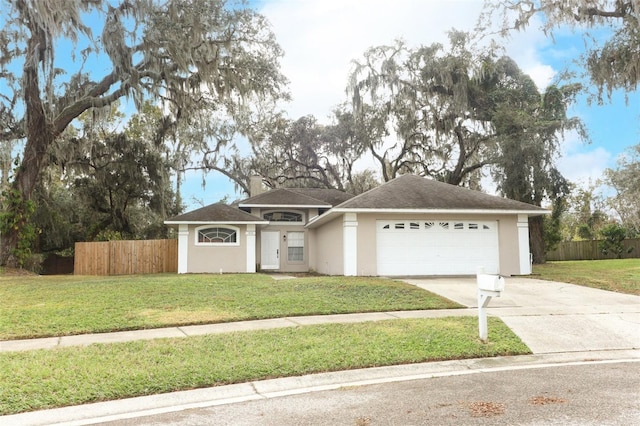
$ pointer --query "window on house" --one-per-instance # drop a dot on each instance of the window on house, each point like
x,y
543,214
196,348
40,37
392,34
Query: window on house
x,y
295,246
217,235
283,217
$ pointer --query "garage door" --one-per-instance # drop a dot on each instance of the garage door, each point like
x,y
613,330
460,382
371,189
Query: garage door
x,y
436,247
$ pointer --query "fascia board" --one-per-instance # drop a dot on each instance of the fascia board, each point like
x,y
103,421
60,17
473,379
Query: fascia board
x,y
443,211
285,206
318,220
209,222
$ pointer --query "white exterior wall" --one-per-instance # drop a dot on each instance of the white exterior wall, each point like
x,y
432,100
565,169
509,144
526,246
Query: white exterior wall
x,y
183,249
350,244
524,257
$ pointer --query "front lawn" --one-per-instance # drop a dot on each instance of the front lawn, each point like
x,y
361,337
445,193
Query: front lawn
x,y
621,275
42,306
58,377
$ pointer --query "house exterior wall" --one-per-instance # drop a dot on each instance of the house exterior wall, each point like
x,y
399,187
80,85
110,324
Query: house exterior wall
x,y
324,247
217,258
329,248
509,252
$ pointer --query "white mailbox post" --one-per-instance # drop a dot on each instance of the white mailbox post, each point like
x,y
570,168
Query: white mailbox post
x,y
488,286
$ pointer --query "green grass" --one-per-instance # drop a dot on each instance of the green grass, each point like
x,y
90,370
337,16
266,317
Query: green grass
x,y
70,376
620,275
43,306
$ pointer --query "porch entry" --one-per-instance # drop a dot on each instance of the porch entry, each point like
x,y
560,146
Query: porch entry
x,y
270,249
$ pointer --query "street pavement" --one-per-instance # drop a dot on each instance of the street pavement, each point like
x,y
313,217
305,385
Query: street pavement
x,y
566,327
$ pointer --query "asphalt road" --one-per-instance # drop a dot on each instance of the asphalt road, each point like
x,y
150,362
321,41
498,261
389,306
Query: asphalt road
x,y
603,393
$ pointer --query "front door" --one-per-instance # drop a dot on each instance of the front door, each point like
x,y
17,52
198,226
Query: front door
x,y
270,249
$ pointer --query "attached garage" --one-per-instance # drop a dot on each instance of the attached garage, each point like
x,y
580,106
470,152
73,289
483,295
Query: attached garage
x,y
436,247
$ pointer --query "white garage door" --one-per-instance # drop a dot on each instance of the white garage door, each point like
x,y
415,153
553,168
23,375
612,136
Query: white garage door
x,y
436,247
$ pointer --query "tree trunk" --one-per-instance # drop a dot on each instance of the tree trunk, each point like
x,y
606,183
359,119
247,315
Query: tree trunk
x,y
9,242
536,239
39,137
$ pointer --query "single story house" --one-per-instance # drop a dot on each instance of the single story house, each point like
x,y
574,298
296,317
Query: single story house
x,y
407,226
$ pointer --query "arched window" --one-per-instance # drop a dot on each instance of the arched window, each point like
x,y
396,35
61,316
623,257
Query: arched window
x,y
217,235
283,216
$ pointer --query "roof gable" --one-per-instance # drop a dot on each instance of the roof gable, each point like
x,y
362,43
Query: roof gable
x,y
415,192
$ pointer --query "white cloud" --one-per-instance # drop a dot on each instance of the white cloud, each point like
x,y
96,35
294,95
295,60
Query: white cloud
x,y
581,163
321,38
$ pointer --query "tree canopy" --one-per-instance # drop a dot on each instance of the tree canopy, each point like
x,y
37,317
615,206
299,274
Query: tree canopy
x,y
612,63
423,110
206,60
625,179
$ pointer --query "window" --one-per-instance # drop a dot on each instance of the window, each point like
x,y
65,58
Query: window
x,y
295,246
283,216
217,235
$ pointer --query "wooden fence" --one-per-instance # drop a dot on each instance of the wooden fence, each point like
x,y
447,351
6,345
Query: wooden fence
x,y
126,257
590,250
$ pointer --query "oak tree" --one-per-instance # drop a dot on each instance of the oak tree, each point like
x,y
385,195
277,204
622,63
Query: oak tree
x,y
198,57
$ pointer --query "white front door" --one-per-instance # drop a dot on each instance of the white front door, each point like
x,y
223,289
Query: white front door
x,y
270,249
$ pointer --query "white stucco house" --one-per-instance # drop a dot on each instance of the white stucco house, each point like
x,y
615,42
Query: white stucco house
x,y
406,227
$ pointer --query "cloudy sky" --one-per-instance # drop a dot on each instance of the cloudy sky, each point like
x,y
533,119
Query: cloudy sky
x,y
320,38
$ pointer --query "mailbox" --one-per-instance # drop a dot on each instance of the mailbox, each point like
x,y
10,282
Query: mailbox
x,y
488,286
490,282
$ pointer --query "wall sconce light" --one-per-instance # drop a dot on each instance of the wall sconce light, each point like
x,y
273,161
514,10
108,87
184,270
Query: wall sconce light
x,y
284,238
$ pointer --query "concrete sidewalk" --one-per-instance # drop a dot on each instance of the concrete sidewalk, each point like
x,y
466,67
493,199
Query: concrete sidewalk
x,y
199,330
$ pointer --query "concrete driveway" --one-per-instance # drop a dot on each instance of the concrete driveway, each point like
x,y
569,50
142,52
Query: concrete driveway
x,y
551,316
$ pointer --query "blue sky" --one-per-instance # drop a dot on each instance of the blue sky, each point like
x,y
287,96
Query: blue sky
x,y
321,37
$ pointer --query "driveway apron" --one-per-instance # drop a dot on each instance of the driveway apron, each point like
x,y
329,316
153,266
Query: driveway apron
x,y
553,317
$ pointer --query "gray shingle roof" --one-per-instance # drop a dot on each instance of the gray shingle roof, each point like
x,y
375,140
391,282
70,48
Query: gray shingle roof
x,y
298,197
330,196
218,212
415,192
